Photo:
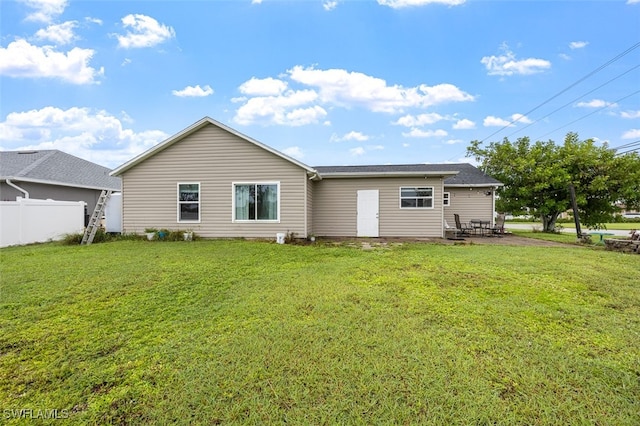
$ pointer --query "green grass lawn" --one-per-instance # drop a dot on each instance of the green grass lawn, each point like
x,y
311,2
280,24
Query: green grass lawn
x,y
238,332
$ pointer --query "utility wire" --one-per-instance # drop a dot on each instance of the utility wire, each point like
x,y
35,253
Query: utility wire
x,y
572,101
600,68
590,114
627,145
626,152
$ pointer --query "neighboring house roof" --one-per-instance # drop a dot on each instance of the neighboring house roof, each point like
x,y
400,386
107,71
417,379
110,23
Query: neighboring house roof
x,y
459,174
55,167
193,128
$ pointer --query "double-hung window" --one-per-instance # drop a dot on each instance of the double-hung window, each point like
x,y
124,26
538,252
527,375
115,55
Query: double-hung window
x,y
256,201
189,202
416,197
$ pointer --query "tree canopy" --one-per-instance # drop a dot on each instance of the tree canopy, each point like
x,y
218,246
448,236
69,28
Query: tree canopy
x,y
537,177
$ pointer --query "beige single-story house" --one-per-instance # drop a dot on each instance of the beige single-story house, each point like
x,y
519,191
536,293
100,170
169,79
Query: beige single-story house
x,y
220,183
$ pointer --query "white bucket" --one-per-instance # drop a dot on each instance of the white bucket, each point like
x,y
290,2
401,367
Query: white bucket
x,y
280,237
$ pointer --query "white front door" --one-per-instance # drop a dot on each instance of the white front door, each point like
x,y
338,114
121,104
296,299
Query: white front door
x,y
367,213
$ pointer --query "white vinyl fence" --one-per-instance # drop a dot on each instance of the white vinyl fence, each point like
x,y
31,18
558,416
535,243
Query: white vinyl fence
x,y
26,220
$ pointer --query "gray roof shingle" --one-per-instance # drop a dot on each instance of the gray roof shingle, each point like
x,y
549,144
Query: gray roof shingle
x,y
468,175
56,167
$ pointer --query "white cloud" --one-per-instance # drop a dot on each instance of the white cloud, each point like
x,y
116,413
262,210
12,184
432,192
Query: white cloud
x,y
630,114
351,136
520,118
564,56
595,103
294,151
341,87
272,101
631,134
633,1
60,34
263,87
357,151
144,31
256,1
304,116
507,64
45,10
398,4
454,141
22,59
93,135
376,147
492,121
194,91
419,133
290,108
329,5
464,124
419,120
578,44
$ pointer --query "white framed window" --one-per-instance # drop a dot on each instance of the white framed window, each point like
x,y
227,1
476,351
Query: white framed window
x,y
416,197
446,199
189,202
256,201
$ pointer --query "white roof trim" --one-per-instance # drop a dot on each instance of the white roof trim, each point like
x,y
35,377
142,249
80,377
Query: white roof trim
x,y
474,185
443,174
56,183
193,128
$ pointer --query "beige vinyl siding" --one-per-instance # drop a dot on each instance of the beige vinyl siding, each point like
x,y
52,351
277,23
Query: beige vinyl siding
x,y
469,203
216,159
335,207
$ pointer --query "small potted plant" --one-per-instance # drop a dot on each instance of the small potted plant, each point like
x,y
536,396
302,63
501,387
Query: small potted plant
x,y
312,237
151,233
188,235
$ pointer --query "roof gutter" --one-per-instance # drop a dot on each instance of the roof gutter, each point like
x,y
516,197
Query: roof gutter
x,y
475,185
445,174
13,185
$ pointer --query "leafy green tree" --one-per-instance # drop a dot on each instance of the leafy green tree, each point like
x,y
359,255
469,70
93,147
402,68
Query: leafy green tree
x,y
537,177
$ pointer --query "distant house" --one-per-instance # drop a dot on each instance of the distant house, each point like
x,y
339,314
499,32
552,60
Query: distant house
x,y
53,174
221,183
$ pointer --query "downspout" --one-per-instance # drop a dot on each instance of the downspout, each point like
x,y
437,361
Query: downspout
x,y
493,206
24,191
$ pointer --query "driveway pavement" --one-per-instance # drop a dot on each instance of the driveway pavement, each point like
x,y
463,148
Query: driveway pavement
x,y
531,226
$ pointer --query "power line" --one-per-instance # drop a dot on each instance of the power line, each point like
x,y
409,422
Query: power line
x,y
626,152
590,114
572,101
600,68
627,145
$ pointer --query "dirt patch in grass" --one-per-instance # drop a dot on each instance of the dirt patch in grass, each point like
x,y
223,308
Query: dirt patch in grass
x,y
506,240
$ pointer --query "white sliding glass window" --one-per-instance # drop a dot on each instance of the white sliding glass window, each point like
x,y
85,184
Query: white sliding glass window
x,y
256,201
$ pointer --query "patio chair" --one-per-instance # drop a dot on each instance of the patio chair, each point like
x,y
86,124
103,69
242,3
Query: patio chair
x,y
498,228
448,230
461,227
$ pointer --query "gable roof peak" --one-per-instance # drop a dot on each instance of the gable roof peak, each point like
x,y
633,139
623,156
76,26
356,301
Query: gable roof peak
x,y
192,129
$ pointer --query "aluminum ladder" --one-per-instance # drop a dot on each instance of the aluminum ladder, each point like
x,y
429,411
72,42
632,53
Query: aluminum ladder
x,y
94,220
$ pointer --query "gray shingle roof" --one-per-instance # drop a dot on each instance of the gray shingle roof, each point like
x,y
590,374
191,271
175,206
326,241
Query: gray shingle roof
x,y
468,175
55,167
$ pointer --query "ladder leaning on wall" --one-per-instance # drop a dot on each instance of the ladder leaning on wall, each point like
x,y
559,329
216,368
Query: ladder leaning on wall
x,y
94,220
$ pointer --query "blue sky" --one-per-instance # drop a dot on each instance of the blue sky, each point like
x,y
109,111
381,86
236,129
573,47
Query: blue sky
x,y
326,82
